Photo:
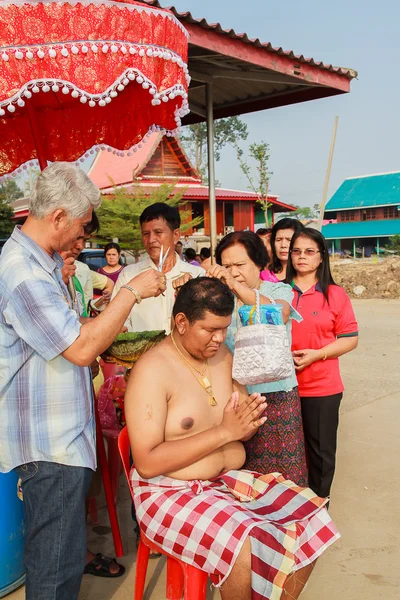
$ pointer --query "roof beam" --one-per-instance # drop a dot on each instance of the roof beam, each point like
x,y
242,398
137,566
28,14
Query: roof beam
x,y
201,77
265,77
197,109
263,102
261,57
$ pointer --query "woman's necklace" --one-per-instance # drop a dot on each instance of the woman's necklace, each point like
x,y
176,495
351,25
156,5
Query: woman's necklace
x,y
205,382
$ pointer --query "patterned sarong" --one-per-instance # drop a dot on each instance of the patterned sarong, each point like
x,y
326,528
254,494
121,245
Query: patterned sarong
x,y
204,523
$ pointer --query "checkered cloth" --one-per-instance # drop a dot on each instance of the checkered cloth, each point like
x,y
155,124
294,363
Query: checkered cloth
x,y
204,523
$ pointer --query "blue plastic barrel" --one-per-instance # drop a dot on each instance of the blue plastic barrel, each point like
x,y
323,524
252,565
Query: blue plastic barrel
x,y
12,535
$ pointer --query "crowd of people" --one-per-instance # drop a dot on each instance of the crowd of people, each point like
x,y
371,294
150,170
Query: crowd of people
x,y
242,476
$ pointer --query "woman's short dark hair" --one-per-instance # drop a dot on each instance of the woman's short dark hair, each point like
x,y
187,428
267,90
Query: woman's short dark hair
x,y
112,246
161,210
204,294
264,231
190,254
324,274
253,245
286,223
205,253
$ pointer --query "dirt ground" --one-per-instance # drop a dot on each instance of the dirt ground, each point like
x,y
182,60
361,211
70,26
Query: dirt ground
x,y
369,277
364,564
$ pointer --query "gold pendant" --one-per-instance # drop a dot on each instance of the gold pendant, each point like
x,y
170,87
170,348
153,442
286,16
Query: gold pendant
x,y
213,401
205,382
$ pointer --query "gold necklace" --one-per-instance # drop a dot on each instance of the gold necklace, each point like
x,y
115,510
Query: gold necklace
x,y
205,382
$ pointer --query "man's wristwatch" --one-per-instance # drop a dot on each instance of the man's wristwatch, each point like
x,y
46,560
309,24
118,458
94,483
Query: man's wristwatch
x,y
134,292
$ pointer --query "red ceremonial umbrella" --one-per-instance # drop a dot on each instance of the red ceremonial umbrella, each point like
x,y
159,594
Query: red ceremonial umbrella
x,y
80,76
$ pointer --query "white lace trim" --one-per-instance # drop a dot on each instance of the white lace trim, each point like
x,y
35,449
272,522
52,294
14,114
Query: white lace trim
x,y
110,3
130,75
98,148
74,47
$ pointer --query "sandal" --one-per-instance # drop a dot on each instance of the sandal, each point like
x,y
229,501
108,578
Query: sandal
x,y
100,566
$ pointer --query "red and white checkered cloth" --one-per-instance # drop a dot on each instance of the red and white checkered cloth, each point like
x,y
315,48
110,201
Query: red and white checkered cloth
x,y
204,523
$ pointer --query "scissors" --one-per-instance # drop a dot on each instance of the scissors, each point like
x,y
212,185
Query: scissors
x,y
162,259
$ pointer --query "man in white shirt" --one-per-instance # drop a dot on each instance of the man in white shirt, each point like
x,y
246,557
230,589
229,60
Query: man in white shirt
x,y
160,225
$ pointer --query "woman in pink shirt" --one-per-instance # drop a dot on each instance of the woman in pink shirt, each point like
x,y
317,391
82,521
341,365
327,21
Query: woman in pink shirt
x,y
329,329
282,233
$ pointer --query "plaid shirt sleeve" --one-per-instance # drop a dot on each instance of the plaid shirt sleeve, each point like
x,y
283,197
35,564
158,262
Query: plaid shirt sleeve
x,y
40,315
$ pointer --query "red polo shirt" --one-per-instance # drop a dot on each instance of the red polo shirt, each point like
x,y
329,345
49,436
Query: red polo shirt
x,y
322,324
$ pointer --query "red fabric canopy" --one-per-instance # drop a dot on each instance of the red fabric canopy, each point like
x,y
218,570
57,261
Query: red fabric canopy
x,y
75,77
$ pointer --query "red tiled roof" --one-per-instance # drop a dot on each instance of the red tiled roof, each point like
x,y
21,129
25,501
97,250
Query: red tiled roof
x,y
200,193
187,17
109,169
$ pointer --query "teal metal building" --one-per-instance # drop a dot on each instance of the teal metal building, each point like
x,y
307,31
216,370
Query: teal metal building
x,y
365,212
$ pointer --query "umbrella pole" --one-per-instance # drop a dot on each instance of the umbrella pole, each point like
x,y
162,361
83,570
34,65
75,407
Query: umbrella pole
x,y
211,169
36,135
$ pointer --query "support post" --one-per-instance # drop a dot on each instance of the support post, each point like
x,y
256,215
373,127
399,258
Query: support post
x,y
327,177
377,246
354,249
333,248
36,135
211,169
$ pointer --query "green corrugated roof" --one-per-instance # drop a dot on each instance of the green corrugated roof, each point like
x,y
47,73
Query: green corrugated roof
x,y
362,192
361,229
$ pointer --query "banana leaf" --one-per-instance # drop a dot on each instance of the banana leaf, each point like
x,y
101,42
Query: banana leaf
x,y
127,348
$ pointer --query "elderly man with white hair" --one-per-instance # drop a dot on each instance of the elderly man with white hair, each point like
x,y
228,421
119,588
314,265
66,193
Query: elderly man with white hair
x,y
47,431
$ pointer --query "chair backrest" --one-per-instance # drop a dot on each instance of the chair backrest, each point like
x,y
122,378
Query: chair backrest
x,y
124,447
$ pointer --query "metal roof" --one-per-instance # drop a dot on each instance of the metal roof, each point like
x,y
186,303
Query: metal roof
x,y
250,75
361,229
368,191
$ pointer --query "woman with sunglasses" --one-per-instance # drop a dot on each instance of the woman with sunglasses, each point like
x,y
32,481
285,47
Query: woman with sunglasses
x,y
277,446
329,329
281,234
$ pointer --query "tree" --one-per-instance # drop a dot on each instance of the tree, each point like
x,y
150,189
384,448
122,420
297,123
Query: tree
x,y
120,216
394,244
6,222
259,184
226,131
9,191
303,213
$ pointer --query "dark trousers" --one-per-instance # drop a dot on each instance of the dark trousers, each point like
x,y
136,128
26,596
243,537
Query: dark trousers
x,y
55,549
320,423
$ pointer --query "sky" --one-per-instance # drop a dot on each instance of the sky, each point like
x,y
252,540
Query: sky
x,y
361,34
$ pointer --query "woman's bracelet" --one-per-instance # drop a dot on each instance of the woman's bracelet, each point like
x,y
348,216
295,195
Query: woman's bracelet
x,y
325,354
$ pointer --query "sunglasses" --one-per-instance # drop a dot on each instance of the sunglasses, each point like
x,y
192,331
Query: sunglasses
x,y
307,252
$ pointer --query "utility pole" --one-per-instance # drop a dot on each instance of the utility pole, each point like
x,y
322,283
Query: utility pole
x,y
328,176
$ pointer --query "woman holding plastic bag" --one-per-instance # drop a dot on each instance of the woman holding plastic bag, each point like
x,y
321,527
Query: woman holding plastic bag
x,y
278,446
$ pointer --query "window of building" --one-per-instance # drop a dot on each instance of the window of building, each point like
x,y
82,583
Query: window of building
x,y
348,215
198,212
391,212
370,214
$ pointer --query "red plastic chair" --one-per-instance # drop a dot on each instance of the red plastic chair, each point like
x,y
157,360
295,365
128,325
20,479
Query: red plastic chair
x,y
182,579
105,475
111,435
114,459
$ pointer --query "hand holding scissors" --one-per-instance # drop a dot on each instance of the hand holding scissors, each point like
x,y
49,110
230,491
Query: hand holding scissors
x,y
161,262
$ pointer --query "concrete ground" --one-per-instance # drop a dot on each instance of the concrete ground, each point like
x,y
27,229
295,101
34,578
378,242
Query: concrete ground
x,y
364,564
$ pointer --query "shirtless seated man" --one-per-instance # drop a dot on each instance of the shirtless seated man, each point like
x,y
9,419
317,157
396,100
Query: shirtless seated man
x,y
257,536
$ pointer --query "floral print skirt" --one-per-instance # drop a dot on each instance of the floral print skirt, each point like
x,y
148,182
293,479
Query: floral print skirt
x,y
278,446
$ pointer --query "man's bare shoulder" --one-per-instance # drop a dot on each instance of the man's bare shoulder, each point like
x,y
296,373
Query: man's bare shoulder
x,y
223,355
154,359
